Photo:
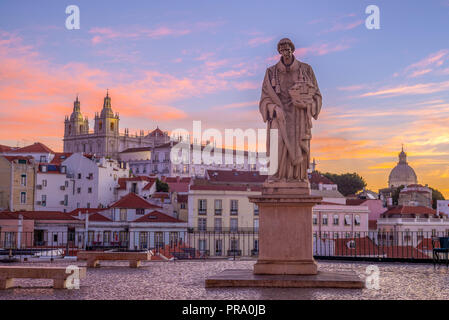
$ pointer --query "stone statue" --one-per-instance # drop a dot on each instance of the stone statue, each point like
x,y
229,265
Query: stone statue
x,y
290,99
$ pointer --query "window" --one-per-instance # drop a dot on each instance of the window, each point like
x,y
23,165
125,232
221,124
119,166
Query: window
x,y
324,219
234,245
140,211
256,209
44,183
43,159
218,247
23,197
79,175
44,200
66,200
88,205
159,239
89,190
218,225
234,224
202,206
23,179
106,237
78,190
123,215
202,245
218,207
66,184
336,220
44,168
63,169
315,219
183,205
234,207
202,224
357,220
256,225
347,220
112,126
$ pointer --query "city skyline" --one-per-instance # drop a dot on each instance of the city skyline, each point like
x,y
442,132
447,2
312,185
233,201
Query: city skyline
x,y
167,67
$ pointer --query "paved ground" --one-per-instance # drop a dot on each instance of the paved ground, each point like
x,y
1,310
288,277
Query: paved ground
x,y
185,280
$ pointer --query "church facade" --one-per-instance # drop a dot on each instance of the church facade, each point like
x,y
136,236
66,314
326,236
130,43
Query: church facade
x,y
105,140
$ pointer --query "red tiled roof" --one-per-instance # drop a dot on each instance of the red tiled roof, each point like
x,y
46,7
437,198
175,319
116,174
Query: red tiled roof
x,y
133,201
46,215
225,187
317,178
162,195
12,158
4,148
227,176
363,247
37,147
6,215
60,157
402,252
409,210
130,150
86,210
355,202
426,244
182,198
149,184
156,216
98,218
122,183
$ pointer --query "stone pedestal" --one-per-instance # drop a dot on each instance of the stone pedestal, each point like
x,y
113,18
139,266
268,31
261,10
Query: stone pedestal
x,y
285,244
285,229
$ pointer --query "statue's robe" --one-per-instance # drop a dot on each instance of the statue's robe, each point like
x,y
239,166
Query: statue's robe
x,y
294,144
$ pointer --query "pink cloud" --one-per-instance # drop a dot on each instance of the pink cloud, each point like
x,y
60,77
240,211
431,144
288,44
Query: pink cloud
x,y
259,41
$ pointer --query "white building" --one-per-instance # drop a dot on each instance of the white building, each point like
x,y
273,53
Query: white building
x,y
157,161
93,181
443,206
52,188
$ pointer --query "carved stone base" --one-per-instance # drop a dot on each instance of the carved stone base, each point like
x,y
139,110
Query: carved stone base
x,y
286,188
286,267
285,233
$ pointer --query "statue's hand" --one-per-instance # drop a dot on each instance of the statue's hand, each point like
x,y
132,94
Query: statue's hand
x,y
279,113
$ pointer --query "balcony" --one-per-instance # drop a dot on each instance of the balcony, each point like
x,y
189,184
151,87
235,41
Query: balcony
x,y
39,187
218,212
62,188
202,212
234,212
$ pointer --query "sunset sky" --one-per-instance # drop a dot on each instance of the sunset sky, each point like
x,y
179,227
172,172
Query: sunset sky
x,y
168,63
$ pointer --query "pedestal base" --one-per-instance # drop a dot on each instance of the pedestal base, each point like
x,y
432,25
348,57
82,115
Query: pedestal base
x,y
304,267
246,278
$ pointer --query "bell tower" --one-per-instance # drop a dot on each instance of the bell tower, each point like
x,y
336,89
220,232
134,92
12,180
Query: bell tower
x,y
74,126
107,129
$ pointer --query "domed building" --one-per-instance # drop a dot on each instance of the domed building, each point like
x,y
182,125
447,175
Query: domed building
x,y
402,174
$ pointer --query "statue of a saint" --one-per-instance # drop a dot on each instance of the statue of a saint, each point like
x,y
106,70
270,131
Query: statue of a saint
x,y
290,99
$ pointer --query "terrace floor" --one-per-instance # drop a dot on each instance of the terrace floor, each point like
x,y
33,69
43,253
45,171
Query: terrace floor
x,y
185,280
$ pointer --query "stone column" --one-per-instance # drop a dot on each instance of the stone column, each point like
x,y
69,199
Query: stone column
x,y
285,229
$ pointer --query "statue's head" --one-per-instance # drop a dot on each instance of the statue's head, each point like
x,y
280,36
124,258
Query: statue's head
x,y
286,48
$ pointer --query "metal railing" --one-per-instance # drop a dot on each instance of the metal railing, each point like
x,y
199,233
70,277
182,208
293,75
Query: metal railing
x,y
218,243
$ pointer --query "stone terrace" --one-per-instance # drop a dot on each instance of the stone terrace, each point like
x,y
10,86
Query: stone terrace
x,y
185,280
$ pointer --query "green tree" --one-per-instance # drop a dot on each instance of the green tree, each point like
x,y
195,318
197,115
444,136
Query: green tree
x,y
436,195
161,186
348,183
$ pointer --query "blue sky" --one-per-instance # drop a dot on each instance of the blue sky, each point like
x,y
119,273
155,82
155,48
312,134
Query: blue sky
x,y
167,64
